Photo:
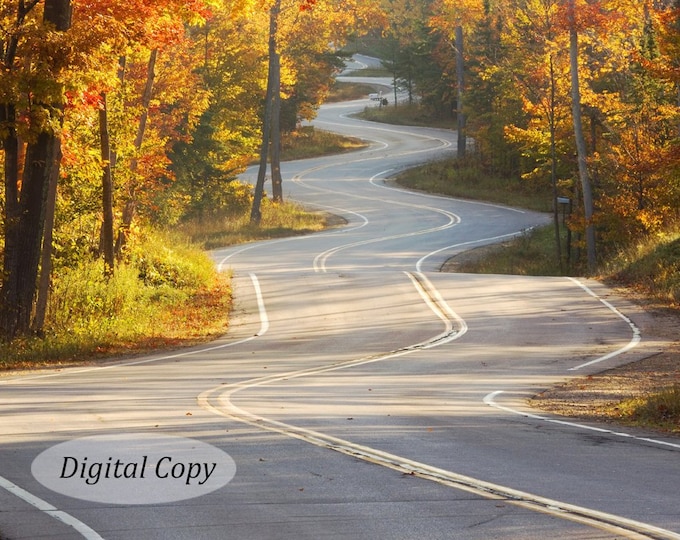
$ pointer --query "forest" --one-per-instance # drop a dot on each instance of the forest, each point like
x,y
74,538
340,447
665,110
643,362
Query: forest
x,y
120,118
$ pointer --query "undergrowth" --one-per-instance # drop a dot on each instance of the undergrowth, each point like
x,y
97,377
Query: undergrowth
x,y
138,308
467,179
309,142
661,409
651,266
278,220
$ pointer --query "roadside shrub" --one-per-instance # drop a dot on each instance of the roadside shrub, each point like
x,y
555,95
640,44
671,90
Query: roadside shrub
x,y
86,303
168,260
660,409
652,266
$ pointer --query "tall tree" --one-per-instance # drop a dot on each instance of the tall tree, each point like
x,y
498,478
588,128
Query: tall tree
x,y
228,135
460,86
456,19
581,151
540,67
27,205
131,202
273,86
107,233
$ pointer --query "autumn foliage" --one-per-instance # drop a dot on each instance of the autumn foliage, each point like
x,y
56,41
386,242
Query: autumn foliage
x,y
163,102
518,99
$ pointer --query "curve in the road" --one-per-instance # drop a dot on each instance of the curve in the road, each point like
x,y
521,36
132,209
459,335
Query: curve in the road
x,y
218,400
322,258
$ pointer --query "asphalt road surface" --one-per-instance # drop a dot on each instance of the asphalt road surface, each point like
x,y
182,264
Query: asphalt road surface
x,y
360,393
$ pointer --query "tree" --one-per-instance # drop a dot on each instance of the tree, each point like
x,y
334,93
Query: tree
x,y
107,234
273,87
228,133
456,19
131,203
584,176
540,68
27,195
406,30
460,86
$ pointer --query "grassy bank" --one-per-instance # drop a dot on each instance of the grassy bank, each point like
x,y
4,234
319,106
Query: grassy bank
x,y
167,293
160,297
278,221
468,180
404,115
308,142
344,91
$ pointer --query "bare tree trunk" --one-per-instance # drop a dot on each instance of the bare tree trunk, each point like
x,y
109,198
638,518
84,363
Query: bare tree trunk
x,y
46,257
460,75
131,204
256,211
107,240
580,142
553,165
9,306
33,202
58,12
277,180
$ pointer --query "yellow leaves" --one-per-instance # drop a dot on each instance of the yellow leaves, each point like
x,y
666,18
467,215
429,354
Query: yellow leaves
x,y
454,13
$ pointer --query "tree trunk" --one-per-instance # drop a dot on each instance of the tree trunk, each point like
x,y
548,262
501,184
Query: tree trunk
x,y
131,204
553,165
26,237
9,307
46,257
460,75
256,211
277,180
58,12
580,142
107,240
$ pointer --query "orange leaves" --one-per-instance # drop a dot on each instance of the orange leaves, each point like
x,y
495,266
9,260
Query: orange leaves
x,y
88,99
600,17
307,5
148,22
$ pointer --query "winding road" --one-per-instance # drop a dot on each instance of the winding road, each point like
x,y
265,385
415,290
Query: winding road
x,y
360,393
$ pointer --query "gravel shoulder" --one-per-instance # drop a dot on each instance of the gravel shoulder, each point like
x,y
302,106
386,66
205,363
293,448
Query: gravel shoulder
x,y
595,397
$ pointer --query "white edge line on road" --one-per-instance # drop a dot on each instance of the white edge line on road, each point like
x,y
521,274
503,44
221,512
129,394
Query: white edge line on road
x,y
632,343
344,230
453,220
491,240
264,318
47,508
490,400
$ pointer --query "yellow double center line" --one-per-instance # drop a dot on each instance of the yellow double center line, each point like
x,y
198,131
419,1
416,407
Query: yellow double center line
x,y
218,400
